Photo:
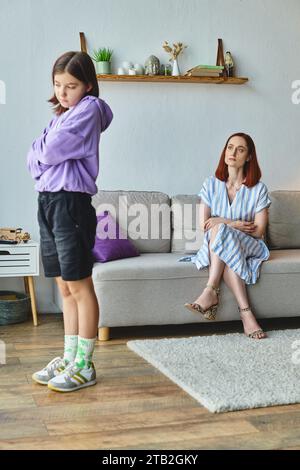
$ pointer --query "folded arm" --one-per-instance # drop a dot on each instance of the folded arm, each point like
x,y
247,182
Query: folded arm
x,y
66,142
59,145
260,222
255,228
35,167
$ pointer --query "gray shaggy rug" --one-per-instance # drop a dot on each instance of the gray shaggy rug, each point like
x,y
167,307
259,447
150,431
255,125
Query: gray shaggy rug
x,y
230,372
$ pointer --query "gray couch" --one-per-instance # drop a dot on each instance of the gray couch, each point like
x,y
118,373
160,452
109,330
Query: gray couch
x,y
151,289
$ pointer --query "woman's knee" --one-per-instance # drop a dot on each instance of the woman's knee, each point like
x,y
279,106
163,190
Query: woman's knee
x,y
214,231
216,228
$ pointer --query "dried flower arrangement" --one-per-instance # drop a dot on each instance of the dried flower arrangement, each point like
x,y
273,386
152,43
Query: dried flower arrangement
x,y
178,47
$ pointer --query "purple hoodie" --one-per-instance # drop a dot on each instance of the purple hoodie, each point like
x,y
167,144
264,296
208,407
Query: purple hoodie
x,y
66,155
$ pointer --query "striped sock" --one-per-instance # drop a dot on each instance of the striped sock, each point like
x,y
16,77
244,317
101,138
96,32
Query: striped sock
x,y
85,351
70,351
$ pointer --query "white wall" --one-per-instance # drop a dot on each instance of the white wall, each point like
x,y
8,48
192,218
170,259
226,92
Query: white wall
x,y
164,137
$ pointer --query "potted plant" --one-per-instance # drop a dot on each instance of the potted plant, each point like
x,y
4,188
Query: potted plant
x,y
102,57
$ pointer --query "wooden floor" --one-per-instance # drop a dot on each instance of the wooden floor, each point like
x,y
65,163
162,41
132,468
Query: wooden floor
x,y
133,405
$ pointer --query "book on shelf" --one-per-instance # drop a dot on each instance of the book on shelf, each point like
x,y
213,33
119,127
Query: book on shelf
x,y
205,71
204,74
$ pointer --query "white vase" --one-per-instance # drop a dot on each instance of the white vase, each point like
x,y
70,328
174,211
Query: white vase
x,y
175,70
126,65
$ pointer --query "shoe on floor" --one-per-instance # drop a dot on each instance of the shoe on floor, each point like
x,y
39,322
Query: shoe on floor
x,y
73,378
52,369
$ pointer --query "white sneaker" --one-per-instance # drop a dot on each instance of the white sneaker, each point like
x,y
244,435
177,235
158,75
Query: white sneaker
x,y
54,368
73,378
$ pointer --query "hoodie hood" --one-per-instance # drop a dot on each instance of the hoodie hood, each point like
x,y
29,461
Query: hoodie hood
x,y
105,111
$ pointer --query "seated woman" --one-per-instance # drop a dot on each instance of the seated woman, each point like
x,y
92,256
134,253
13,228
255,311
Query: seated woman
x,y
234,215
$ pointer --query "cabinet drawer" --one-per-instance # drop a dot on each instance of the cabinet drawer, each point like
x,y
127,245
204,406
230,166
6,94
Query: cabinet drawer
x,y
19,260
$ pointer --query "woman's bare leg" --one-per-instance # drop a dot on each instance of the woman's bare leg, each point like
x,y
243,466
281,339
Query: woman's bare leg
x,y
238,288
209,296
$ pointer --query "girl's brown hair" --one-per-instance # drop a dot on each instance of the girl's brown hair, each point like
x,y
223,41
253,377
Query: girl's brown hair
x,y
252,171
80,65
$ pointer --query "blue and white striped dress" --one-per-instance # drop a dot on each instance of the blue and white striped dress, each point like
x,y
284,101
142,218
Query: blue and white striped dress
x,y
241,252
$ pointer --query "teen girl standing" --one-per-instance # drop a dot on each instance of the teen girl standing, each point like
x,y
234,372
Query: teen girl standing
x,y
64,161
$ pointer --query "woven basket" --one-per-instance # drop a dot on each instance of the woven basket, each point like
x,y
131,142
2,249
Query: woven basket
x,y
14,307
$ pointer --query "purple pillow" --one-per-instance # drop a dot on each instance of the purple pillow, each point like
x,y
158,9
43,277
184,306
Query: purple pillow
x,y
111,242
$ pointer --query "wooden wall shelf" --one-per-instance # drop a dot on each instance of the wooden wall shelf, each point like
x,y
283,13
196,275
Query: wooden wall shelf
x,y
167,79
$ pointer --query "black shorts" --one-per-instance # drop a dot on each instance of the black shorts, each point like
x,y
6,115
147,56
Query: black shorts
x,y
68,224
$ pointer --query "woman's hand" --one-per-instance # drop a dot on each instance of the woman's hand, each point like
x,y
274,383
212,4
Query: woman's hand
x,y
212,221
243,226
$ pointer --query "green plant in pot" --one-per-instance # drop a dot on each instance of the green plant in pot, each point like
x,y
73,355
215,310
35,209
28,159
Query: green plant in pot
x,y
102,57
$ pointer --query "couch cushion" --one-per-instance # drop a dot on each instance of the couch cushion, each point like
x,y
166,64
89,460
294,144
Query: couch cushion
x,y
167,266
146,266
143,215
186,234
284,220
282,262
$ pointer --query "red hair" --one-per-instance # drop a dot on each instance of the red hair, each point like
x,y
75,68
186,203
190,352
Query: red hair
x,y
252,171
